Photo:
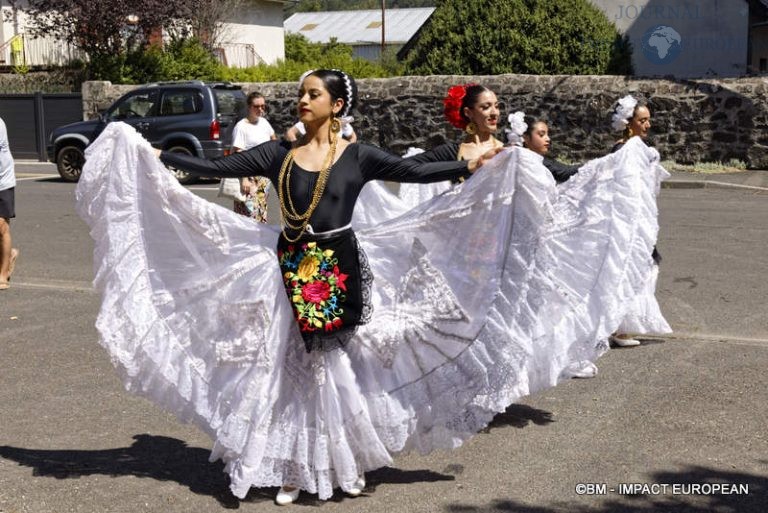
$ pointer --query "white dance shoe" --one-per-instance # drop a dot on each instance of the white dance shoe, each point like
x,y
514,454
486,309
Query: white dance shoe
x,y
357,487
285,497
582,369
623,342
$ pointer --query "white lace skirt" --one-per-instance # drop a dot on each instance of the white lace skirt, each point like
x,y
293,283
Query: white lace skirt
x,y
481,295
643,313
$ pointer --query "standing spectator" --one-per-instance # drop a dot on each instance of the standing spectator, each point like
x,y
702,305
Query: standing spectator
x,y
251,131
7,210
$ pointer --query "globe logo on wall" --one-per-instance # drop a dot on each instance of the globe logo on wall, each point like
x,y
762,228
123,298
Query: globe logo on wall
x,y
662,44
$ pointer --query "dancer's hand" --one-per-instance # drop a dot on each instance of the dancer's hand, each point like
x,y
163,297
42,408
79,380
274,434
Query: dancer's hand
x,y
477,163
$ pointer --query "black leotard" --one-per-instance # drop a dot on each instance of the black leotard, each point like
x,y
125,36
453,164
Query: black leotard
x,y
358,164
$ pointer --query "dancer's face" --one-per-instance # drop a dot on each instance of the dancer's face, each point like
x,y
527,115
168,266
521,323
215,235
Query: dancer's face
x,y
485,113
641,122
315,102
538,140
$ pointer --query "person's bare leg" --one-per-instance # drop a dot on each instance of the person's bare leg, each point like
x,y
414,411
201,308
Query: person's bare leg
x,y
5,249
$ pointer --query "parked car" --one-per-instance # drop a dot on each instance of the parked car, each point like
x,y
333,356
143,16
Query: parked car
x,y
190,117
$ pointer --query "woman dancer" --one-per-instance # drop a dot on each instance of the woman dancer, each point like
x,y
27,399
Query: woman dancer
x,y
633,119
269,351
473,109
533,134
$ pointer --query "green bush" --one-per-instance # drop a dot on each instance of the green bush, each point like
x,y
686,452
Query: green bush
x,y
490,37
301,55
188,59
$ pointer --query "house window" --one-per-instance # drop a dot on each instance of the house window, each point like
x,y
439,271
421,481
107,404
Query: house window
x,y
763,65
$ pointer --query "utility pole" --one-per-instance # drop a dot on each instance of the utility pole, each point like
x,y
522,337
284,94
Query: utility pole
x,y
383,40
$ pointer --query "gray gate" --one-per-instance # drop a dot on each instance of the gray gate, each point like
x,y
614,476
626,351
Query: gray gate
x,y
31,118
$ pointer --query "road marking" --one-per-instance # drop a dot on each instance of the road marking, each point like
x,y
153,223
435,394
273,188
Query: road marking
x,y
710,337
64,285
29,176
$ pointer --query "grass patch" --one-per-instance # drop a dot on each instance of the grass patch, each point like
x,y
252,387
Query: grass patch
x,y
732,166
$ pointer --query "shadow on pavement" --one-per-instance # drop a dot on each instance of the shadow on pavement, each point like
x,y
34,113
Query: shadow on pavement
x,y
520,416
685,502
156,457
169,459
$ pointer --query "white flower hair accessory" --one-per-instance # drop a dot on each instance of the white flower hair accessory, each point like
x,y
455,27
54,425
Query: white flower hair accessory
x,y
305,75
346,125
412,151
517,127
623,112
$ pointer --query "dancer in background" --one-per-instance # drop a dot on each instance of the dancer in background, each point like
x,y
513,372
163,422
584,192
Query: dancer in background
x,y
472,108
533,134
633,119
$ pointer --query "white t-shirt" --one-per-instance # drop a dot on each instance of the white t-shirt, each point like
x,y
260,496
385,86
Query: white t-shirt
x,y
7,175
246,135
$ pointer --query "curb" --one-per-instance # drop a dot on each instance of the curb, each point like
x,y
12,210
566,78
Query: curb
x,y
709,184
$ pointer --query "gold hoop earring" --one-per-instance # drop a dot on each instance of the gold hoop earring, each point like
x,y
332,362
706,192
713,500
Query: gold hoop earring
x,y
471,128
336,125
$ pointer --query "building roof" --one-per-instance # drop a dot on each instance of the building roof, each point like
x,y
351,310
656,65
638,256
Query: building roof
x,y
359,27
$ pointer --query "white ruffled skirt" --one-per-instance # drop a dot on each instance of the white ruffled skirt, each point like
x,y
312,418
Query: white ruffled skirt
x,y
481,295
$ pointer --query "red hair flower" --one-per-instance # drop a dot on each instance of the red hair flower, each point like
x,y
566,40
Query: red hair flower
x,y
452,103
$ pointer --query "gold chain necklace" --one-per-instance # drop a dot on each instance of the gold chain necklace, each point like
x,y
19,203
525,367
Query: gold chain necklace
x,y
291,217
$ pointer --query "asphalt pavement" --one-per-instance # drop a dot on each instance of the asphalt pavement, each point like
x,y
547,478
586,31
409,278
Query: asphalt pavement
x,y
680,421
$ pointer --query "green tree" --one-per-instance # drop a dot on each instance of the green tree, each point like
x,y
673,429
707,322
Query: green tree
x,y
490,37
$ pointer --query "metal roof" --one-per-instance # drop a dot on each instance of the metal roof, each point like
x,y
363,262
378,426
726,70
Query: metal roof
x,y
358,27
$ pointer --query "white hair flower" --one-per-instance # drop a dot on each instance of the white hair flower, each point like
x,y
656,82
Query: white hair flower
x,y
623,112
305,75
517,127
412,151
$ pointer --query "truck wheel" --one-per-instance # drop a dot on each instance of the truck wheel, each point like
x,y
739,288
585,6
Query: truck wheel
x,y
69,162
182,176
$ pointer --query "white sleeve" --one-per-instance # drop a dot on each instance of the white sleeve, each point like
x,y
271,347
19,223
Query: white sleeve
x,y
300,128
270,131
238,136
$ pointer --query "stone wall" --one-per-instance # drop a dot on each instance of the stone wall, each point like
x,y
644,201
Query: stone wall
x,y
693,120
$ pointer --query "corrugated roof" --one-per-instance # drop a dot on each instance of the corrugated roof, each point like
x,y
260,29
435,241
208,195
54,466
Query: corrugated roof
x,y
358,27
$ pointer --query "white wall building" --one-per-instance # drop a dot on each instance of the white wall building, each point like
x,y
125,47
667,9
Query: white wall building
x,y
684,38
34,51
255,35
